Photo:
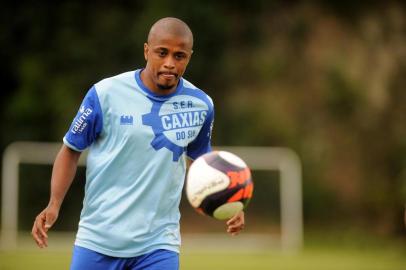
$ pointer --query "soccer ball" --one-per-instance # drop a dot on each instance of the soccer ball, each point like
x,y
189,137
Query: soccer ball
x,y
219,184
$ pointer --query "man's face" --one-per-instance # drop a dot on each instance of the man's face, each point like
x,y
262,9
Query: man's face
x,y
167,57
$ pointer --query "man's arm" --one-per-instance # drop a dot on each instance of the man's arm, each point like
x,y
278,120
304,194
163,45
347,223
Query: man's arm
x,y
63,172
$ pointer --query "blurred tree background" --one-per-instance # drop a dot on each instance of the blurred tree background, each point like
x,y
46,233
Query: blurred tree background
x,y
325,78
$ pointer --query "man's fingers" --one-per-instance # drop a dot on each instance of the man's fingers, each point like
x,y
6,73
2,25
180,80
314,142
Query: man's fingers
x,y
233,231
236,224
235,228
233,220
39,224
35,235
239,217
45,242
38,236
43,222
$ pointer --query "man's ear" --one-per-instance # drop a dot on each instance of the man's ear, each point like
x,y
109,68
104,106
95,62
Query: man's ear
x,y
146,48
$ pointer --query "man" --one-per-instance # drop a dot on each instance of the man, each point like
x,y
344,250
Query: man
x,y
139,127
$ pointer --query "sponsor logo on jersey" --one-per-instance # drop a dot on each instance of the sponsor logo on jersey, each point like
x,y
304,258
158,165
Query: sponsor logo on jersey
x,y
80,123
126,120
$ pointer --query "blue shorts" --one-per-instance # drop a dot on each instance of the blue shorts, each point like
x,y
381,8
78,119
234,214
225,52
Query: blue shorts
x,y
160,259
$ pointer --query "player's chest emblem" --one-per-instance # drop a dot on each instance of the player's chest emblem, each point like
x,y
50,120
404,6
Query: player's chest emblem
x,y
175,123
126,120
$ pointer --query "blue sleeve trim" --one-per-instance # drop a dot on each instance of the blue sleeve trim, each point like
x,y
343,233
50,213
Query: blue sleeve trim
x,y
88,123
65,141
202,144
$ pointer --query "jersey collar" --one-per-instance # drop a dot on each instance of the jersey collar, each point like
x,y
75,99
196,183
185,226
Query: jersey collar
x,y
154,95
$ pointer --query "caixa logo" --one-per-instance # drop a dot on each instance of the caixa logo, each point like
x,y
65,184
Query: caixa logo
x,y
80,123
176,125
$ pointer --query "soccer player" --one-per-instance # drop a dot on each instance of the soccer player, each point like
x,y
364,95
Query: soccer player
x,y
140,127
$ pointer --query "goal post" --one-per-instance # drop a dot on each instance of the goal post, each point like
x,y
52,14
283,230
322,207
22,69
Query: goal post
x,y
287,163
283,160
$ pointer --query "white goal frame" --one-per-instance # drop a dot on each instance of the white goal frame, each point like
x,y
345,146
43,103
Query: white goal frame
x,y
281,159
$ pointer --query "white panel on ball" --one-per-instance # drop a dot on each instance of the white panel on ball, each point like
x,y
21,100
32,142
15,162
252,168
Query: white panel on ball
x,y
204,180
233,159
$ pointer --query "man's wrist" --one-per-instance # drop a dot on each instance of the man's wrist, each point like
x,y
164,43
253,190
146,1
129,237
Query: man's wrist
x,y
54,203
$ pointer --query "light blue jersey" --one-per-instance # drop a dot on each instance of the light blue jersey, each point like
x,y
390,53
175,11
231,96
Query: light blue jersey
x,y
136,167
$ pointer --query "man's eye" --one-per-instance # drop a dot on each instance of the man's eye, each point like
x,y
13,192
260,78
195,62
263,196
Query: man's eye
x,y
180,56
161,53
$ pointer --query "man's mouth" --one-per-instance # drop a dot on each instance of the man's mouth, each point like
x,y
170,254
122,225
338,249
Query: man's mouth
x,y
168,75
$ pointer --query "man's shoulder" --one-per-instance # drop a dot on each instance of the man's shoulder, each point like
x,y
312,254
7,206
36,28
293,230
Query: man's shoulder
x,y
191,87
129,75
124,78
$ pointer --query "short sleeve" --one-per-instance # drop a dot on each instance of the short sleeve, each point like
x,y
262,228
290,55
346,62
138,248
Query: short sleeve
x,y
202,144
87,124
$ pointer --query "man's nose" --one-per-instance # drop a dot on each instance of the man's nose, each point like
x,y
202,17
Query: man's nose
x,y
169,62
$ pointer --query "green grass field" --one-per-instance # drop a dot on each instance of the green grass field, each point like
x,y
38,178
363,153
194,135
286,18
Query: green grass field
x,y
309,259
323,255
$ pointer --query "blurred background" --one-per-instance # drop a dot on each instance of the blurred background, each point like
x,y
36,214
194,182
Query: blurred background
x,y
323,78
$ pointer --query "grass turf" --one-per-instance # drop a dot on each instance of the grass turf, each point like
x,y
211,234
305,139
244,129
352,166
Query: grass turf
x,y
325,251
312,258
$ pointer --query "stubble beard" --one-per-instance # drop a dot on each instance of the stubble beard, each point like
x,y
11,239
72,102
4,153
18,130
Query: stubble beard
x,y
165,87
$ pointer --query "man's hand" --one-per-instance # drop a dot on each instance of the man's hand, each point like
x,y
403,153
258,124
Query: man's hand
x,y
43,222
236,224
63,173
